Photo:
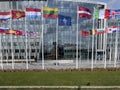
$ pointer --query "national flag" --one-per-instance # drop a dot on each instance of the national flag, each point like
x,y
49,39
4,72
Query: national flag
x,y
84,33
64,20
101,13
115,14
107,13
18,33
3,30
96,13
100,31
112,29
84,12
92,32
33,13
11,31
16,14
50,12
4,16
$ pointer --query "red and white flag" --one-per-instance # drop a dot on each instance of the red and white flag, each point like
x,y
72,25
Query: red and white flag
x,y
112,29
84,12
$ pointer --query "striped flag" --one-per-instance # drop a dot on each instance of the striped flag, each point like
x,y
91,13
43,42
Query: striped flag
x,y
33,13
3,30
4,16
84,12
50,12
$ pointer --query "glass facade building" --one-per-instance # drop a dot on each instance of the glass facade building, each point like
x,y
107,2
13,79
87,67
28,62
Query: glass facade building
x,y
22,47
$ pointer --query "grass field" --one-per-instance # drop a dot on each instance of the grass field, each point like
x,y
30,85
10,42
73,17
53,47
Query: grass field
x,y
59,78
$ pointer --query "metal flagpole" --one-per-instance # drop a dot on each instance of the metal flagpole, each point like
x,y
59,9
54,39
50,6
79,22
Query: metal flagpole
x,y
26,44
105,43
57,42
116,46
1,57
88,47
92,45
110,48
42,41
12,41
77,42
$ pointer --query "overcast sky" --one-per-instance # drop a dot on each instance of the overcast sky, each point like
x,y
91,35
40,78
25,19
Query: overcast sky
x,y
112,4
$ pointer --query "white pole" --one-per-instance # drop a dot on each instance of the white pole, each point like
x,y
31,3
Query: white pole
x,y
26,44
88,47
105,43
1,52
77,42
42,41
92,46
12,40
116,46
110,48
56,42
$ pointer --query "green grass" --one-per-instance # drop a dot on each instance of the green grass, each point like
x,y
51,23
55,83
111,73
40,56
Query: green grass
x,y
104,78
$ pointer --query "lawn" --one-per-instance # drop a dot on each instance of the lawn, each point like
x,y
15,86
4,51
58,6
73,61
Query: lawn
x,y
59,78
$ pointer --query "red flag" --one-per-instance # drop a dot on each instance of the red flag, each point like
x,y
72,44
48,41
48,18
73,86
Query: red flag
x,y
18,33
84,33
107,13
16,14
84,12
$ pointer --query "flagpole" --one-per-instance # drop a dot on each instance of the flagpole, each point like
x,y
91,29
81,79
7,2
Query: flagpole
x,y
57,42
1,57
88,47
26,44
105,25
12,41
110,48
92,45
105,42
77,42
43,67
116,46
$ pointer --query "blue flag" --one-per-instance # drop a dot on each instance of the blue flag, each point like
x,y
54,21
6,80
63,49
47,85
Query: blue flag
x,y
64,20
115,14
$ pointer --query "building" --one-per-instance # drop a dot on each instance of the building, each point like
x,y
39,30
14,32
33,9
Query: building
x,y
30,47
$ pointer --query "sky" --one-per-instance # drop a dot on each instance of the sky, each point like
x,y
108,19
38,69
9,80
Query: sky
x,y
112,4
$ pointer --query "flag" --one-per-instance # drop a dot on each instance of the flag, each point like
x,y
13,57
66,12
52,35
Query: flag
x,y
101,13
84,12
32,13
107,13
100,31
11,31
114,14
93,32
96,13
84,33
18,33
16,14
3,30
112,29
64,20
50,12
4,16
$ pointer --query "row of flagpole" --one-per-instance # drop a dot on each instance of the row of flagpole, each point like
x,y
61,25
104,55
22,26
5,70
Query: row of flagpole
x,y
77,45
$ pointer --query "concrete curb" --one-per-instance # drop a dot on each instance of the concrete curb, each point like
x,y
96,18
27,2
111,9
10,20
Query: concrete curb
x,y
87,87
